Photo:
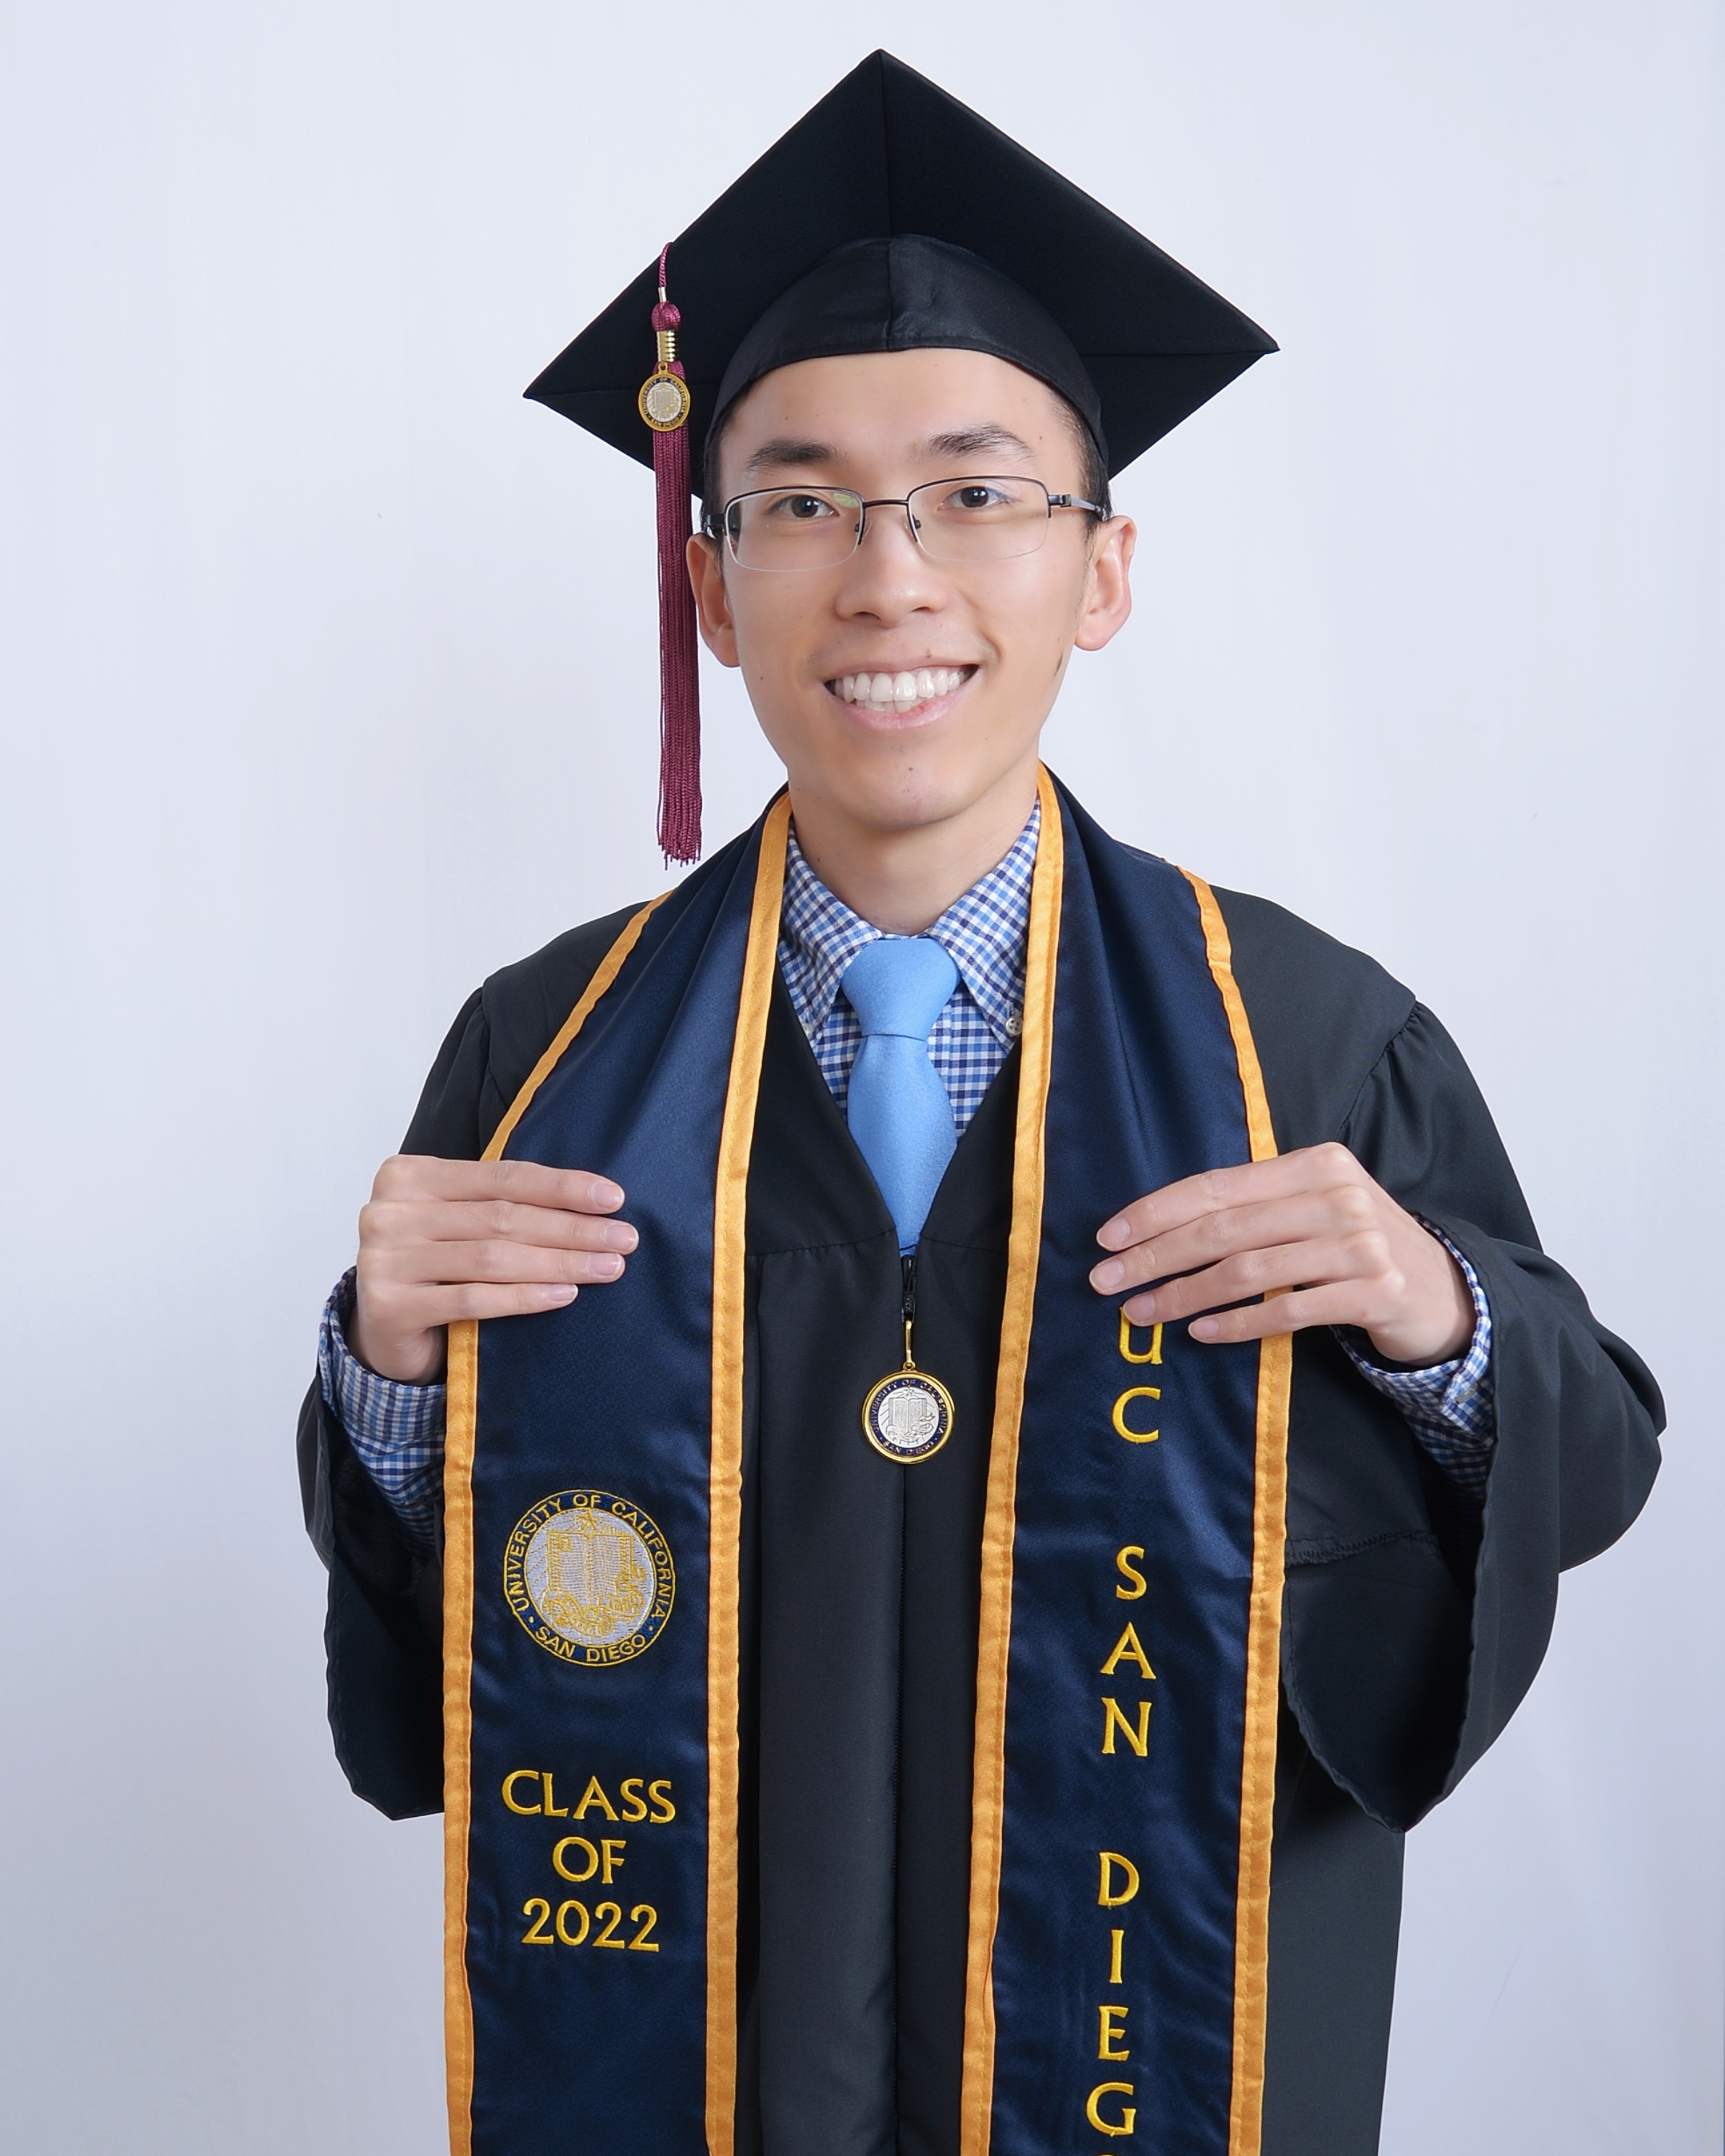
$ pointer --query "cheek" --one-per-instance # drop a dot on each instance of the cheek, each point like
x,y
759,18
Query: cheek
x,y
1030,613
774,620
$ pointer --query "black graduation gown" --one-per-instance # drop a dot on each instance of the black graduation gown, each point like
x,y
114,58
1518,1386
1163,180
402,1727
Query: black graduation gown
x,y
1413,1623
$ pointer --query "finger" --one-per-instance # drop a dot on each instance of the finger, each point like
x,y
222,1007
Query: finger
x,y
1361,1261
401,1221
1251,1182
491,1262
448,1305
1349,1209
1282,1313
481,1182
449,1264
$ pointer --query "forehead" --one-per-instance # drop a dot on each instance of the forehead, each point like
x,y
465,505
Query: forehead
x,y
901,408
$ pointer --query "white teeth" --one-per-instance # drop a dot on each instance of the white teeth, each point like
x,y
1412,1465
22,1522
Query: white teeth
x,y
903,691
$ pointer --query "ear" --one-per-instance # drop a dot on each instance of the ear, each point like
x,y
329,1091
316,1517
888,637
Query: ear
x,y
712,602
1108,590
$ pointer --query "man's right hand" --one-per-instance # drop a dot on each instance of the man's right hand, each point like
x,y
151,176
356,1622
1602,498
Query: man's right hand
x,y
449,1239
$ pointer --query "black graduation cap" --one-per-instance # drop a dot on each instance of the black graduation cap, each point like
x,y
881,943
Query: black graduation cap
x,y
890,217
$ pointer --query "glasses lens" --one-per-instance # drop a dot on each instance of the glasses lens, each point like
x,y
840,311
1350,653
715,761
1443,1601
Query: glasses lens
x,y
794,527
980,520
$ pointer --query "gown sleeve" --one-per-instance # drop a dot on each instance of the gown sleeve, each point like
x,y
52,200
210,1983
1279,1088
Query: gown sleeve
x,y
383,1635
1417,1618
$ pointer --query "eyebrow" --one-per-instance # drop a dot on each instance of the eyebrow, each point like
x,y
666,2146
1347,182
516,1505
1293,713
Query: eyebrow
x,y
787,450
971,441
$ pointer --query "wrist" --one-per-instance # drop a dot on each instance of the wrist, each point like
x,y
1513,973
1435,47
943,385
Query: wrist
x,y
1442,1332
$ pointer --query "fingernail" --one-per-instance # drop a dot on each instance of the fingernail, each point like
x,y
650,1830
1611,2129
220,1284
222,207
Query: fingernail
x,y
620,1236
605,1192
561,1293
606,1267
1141,1310
1109,1275
1205,1328
1116,1235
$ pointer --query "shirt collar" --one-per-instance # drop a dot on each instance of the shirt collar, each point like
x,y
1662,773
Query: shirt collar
x,y
984,931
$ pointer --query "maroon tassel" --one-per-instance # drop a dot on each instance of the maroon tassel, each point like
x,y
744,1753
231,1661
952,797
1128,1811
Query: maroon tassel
x,y
679,674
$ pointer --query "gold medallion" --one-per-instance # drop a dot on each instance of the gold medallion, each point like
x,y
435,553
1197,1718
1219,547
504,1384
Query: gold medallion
x,y
908,1416
664,401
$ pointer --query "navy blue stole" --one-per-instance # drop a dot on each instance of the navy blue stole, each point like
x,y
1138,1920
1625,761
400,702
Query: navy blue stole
x,y
1132,1569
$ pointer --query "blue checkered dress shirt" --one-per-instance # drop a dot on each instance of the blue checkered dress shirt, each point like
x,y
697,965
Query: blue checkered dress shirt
x,y
984,933
398,1430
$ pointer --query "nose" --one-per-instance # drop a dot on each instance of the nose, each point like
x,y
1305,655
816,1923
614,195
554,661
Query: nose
x,y
889,577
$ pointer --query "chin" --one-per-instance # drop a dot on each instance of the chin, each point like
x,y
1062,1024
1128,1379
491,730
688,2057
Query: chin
x,y
897,774
913,790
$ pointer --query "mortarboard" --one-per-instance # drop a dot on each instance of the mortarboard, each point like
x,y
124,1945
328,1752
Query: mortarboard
x,y
891,217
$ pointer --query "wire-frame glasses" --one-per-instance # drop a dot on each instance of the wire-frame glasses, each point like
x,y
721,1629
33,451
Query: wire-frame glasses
x,y
993,517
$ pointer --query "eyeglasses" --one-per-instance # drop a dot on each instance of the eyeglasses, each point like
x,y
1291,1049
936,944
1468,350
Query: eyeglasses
x,y
991,518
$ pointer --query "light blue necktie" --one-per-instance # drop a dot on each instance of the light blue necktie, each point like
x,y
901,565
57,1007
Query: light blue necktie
x,y
898,1110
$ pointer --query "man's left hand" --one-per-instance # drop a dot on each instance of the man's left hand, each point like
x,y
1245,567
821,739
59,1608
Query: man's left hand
x,y
1312,1231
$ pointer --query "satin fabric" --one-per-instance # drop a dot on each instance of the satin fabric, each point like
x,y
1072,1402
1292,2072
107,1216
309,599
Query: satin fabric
x,y
576,2046
1145,1089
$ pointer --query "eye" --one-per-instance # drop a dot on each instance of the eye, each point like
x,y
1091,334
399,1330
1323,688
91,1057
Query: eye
x,y
800,509
976,497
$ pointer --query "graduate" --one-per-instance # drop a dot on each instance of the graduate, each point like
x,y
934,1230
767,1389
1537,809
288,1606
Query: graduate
x,y
943,1436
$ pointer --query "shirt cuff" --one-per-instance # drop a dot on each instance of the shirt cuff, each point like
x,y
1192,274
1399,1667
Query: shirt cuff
x,y
396,1428
1451,1407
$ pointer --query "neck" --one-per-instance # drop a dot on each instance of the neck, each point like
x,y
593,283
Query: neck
x,y
901,880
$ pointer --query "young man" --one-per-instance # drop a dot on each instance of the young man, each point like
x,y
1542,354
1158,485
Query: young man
x,y
897,1694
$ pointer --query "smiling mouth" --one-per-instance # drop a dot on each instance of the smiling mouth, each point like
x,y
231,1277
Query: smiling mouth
x,y
900,692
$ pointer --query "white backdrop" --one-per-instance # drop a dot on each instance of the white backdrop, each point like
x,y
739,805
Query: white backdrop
x,y
328,680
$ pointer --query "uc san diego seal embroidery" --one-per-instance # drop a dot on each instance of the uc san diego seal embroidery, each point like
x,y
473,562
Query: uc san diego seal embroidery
x,y
590,1577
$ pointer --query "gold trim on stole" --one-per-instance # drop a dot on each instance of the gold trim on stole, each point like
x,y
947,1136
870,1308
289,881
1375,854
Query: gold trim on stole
x,y
462,1408
994,1639
725,1497
1257,1783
